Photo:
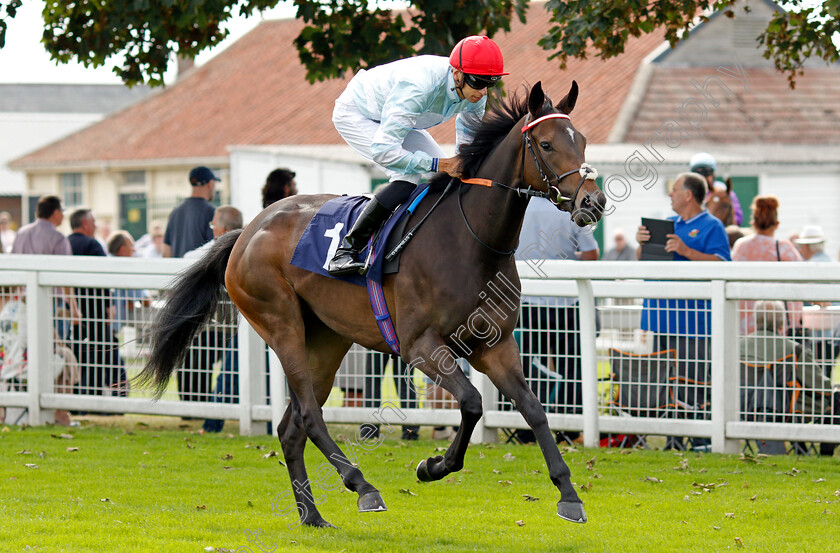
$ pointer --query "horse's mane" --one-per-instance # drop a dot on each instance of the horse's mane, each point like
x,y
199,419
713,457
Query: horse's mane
x,y
489,131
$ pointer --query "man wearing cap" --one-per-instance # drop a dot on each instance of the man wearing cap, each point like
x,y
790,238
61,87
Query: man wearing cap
x,y
811,243
705,165
384,112
189,223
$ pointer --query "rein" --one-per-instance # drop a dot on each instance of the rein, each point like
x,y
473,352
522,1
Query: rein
x,y
469,228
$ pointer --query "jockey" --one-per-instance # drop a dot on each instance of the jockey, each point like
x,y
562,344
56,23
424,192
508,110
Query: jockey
x,y
383,114
704,164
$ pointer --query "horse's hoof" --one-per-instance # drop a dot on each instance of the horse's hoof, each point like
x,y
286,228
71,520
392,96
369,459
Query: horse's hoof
x,y
319,523
371,502
573,512
423,473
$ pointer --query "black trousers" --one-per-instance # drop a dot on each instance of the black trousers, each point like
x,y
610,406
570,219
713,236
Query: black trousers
x,y
195,379
97,350
374,368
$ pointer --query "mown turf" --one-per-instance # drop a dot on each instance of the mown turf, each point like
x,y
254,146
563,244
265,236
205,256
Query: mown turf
x,y
149,488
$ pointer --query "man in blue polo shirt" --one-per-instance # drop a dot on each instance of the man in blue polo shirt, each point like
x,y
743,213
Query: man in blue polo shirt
x,y
684,325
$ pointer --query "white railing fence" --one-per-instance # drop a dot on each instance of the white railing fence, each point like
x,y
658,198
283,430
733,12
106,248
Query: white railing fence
x,y
228,374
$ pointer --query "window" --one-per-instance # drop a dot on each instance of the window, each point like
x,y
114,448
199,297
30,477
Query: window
x,y
71,189
135,177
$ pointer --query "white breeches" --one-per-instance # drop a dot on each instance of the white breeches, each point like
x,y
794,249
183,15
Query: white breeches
x,y
358,131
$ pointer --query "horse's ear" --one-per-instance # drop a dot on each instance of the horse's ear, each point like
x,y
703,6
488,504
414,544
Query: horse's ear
x,y
536,99
729,184
567,104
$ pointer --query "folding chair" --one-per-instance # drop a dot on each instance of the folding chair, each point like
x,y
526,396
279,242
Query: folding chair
x,y
769,393
642,386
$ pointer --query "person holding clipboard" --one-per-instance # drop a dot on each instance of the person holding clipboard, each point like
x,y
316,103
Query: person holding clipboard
x,y
693,234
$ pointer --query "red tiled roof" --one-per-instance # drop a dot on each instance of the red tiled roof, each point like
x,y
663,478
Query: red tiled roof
x,y
255,92
767,112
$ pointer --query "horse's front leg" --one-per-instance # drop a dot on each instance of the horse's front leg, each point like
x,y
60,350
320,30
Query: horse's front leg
x,y
503,366
431,356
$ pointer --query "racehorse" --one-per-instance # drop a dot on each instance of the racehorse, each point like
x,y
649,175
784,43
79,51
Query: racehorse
x,y
523,148
719,203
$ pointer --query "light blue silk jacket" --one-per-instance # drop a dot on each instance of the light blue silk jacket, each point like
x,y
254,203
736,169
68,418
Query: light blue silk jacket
x,y
408,94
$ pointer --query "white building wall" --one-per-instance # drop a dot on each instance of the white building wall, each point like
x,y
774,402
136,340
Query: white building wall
x,y
249,168
810,199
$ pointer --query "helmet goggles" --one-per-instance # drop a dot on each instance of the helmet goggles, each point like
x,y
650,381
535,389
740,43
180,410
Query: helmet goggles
x,y
479,82
703,170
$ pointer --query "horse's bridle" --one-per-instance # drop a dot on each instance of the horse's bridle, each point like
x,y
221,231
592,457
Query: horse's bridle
x,y
553,194
586,171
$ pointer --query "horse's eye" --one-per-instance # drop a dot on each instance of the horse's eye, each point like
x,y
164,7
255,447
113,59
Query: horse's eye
x,y
546,146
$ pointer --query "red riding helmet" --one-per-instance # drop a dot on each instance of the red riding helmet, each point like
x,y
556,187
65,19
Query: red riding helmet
x,y
478,55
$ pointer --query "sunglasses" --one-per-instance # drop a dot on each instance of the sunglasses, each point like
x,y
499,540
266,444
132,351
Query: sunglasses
x,y
479,82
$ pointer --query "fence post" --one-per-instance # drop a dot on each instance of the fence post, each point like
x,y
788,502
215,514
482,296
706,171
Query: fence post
x,y
482,433
251,377
725,374
277,389
39,335
588,363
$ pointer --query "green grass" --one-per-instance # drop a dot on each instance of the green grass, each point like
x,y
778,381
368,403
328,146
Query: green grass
x,y
144,484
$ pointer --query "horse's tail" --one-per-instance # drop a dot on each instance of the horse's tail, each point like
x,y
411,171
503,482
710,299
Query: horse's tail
x,y
190,302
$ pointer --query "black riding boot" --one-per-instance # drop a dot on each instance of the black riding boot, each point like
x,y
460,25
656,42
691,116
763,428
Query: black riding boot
x,y
344,261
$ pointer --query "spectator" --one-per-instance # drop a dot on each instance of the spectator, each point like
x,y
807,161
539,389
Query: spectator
x,y
43,238
817,400
188,225
550,339
13,359
279,184
150,245
94,344
7,235
683,325
763,246
811,243
620,251
194,381
121,244
705,165
226,219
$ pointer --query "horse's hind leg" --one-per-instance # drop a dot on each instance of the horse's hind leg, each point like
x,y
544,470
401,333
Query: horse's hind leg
x,y
310,354
426,354
293,440
503,366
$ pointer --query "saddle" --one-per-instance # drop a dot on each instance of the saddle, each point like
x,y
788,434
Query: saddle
x,y
327,228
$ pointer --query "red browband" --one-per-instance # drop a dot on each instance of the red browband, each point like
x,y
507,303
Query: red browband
x,y
543,118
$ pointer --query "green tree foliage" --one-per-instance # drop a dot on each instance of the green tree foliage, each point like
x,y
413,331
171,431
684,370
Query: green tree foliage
x,y
343,35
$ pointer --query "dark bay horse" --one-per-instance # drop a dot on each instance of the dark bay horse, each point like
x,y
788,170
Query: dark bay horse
x,y
438,300
719,203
